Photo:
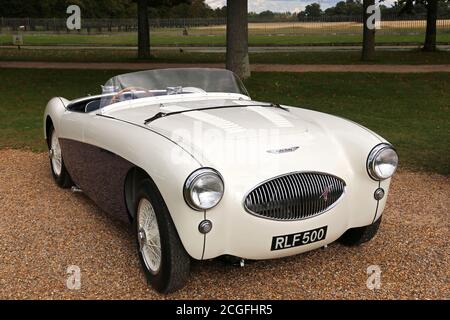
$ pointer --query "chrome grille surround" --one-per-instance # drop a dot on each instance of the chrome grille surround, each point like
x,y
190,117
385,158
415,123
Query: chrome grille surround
x,y
295,196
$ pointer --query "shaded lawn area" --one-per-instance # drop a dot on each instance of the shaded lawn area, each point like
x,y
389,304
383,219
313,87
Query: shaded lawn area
x,y
130,39
175,56
410,110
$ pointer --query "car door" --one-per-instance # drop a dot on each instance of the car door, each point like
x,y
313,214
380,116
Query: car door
x,y
91,163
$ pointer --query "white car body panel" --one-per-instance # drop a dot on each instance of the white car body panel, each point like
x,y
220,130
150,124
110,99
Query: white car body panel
x,y
169,150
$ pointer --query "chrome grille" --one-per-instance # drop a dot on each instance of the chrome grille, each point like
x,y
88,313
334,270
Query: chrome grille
x,y
295,196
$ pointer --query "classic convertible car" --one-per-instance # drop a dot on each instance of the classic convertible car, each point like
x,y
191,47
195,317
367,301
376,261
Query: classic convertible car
x,y
203,171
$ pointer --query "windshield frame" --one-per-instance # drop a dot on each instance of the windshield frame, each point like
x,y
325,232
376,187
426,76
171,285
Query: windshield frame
x,y
171,81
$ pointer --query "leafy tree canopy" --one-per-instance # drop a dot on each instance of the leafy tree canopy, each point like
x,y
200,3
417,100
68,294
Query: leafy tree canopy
x,y
108,8
311,10
355,7
196,9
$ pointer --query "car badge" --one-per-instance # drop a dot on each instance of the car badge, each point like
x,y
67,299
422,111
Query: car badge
x,y
326,193
283,150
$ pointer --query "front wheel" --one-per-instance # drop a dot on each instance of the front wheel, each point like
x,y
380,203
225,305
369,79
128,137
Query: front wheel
x,y
357,236
165,262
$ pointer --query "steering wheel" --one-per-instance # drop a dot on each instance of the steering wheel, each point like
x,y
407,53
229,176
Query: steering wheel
x,y
128,89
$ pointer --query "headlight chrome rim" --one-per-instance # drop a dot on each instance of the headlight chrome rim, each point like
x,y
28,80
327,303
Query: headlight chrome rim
x,y
190,182
371,161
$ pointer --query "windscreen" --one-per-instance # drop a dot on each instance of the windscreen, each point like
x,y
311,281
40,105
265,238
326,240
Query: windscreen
x,y
149,83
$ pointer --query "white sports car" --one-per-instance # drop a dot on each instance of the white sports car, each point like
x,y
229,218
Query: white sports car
x,y
203,171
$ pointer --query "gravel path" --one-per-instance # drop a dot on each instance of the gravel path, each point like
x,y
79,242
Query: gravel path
x,y
299,68
44,229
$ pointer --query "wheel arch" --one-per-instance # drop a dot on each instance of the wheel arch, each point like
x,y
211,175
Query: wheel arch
x,y
53,111
133,178
48,125
149,154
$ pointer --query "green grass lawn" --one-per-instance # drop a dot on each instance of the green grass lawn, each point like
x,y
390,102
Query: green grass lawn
x,y
321,57
410,110
158,39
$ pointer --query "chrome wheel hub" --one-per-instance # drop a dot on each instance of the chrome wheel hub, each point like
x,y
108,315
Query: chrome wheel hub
x,y
148,236
142,238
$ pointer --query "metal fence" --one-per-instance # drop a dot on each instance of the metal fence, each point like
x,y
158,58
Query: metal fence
x,y
217,26
102,25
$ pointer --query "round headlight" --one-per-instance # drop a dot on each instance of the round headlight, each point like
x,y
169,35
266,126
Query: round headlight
x,y
203,189
382,162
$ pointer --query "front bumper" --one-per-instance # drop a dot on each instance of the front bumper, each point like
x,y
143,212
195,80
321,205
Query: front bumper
x,y
238,233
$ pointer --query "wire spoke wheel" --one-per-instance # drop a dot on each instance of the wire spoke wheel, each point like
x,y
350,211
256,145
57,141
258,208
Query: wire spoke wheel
x,y
55,154
149,238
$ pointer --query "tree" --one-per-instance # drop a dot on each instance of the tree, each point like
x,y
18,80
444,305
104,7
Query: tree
x,y
353,7
143,30
432,13
197,8
237,38
430,33
345,8
221,12
143,25
57,8
268,15
313,10
368,47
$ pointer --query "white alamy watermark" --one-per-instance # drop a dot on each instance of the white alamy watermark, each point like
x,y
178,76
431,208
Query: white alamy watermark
x,y
73,281
73,22
374,277
227,142
374,20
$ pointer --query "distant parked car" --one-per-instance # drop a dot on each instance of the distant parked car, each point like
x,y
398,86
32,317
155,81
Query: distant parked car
x,y
203,171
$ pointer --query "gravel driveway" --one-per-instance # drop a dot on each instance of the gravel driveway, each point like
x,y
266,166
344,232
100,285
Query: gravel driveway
x,y
43,230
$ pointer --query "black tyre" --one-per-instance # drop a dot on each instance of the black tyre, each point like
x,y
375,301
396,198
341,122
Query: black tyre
x,y
59,171
357,236
165,262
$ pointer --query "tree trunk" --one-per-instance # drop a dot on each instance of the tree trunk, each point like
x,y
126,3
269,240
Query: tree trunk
x,y
237,38
143,30
430,36
368,48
